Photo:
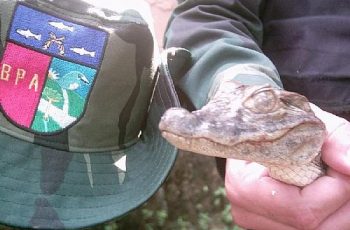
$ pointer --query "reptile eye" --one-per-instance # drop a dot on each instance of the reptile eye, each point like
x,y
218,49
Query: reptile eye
x,y
262,101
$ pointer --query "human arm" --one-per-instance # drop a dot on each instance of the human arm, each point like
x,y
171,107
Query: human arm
x,y
220,39
224,38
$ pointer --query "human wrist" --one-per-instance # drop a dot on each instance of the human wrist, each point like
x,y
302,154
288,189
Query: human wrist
x,y
247,74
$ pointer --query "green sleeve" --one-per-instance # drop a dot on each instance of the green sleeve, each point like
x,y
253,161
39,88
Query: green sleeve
x,y
224,38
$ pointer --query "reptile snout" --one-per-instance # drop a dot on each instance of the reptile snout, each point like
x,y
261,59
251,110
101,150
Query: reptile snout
x,y
178,121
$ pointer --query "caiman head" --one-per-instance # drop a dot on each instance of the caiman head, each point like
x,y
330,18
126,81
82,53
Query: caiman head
x,y
255,123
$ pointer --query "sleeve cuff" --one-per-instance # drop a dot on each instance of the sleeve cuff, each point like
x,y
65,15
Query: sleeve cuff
x,y
247,74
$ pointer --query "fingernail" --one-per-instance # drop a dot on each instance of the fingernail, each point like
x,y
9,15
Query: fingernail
x,y
235,165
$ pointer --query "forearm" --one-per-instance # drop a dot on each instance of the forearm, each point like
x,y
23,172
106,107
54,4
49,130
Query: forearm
x,y
224,37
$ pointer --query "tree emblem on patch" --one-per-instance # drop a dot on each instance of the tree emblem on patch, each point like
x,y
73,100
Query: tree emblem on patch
x,y
48,70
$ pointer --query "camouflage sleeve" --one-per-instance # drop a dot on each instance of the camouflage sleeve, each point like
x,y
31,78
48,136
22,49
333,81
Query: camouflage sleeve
x,y
224,38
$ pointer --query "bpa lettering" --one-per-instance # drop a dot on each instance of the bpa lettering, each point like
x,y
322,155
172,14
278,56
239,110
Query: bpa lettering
x,y
7,72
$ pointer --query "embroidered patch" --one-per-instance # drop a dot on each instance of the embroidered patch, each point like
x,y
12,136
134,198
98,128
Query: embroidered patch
x,y
48,70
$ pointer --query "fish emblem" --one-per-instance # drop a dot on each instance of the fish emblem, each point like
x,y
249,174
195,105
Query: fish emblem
x,y
29,34
82,51
62,26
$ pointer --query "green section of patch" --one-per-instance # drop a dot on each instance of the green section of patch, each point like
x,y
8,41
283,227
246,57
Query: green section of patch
x,y
44,124
57,101
53,93
76,103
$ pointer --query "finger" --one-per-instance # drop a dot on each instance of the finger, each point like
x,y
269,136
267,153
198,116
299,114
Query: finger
x,y
249,220
324,197
336,149
248,186
238,167
285,203
331,121
339,220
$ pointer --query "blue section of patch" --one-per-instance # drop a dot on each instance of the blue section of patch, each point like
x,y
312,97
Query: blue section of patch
x,y
71,76
57,36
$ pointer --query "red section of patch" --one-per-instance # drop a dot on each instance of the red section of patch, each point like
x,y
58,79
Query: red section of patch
x,y
22,77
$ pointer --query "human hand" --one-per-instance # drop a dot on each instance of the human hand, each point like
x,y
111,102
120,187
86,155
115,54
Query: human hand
x,y
260,202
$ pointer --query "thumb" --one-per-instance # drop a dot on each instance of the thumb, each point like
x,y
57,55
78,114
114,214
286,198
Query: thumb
x,y
336,147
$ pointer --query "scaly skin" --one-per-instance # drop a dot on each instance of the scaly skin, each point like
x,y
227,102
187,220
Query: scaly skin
x,y
273,127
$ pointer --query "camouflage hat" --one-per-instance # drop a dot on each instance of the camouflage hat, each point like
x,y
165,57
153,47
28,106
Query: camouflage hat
x,y
80,105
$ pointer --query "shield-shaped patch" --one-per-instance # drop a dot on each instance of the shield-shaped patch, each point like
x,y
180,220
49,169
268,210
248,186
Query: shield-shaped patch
x,y
48,70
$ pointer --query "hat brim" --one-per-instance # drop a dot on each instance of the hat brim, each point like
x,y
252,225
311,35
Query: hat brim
x,y
45,188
